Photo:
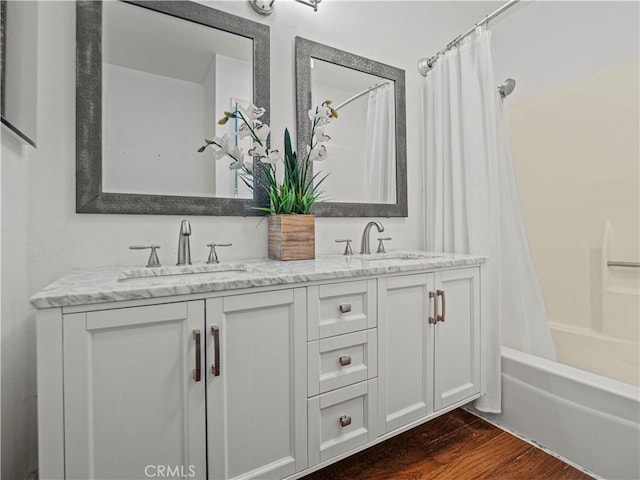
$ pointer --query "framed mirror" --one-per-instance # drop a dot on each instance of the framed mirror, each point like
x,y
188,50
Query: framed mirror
x,y
367,174
152,78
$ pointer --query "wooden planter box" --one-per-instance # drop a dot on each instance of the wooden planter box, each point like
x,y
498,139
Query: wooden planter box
x,y
292,237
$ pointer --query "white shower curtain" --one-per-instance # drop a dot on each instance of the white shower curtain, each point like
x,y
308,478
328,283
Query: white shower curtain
x,y
472,202
380,146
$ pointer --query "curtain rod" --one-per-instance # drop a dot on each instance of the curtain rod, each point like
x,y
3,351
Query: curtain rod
x,y
364,92
425,64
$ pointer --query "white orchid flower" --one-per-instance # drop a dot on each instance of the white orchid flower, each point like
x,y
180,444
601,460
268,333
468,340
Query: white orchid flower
x,y
236,153
225,142
252,112
257,150
236,165
244,131
248,165
273,157
218,140
318,154
221,146
219,153
238,158
262,132
321,136
322,115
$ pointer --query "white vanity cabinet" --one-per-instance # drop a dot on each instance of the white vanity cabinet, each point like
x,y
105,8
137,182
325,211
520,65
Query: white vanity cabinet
x,y
257,384
429,344
131,401
150,391
250,381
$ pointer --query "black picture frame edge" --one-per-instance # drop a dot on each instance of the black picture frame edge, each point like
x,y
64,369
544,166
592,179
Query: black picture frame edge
x,y
16,132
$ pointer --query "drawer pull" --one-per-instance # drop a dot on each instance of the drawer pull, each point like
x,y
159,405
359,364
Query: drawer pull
x,y
345,360
345,308
345,420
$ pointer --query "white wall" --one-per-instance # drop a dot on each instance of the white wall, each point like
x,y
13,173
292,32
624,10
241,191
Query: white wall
x,y
545,44
18,400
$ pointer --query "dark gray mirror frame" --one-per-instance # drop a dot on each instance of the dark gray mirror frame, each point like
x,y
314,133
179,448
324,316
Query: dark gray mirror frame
x,y
89,195
305,50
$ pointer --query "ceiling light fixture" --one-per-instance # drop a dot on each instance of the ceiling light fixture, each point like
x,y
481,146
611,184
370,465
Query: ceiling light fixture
x,y
265,7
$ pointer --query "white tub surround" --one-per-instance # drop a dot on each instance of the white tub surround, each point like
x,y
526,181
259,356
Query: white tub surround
x,y
251,370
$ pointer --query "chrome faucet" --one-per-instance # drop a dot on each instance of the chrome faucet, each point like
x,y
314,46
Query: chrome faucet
x,y
364,244
184,248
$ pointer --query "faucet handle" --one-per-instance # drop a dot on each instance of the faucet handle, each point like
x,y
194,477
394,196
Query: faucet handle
x,y
153,257
213,256
381,245
347,248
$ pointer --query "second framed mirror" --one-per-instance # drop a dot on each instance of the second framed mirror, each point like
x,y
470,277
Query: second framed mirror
x,y
367,161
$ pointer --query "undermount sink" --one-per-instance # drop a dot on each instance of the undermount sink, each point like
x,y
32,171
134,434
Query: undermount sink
x,y
396,256
169,273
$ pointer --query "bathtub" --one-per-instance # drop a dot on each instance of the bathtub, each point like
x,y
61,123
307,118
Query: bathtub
x,y
590,420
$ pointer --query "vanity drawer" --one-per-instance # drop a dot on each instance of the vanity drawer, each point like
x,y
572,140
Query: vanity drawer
x,y
342,420
336,362
340,308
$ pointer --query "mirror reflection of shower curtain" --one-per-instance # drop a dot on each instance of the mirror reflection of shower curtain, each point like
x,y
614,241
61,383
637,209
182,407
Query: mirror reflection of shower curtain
x,y
472,203
380,145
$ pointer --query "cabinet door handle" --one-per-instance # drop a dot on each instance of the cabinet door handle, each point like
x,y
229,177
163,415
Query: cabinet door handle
x,y
215,368
345,308
345,360
196,371
441,318
434,318
345,420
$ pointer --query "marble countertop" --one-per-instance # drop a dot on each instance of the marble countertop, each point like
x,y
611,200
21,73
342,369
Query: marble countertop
x,y
119,283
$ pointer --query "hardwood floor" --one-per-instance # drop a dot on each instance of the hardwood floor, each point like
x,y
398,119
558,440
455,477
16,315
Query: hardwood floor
x,y
455,446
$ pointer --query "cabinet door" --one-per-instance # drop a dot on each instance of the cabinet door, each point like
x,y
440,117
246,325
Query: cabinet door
x,y
256,397
457,338
405,356
132,406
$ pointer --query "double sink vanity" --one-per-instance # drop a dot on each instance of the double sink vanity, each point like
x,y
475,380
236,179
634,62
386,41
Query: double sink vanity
x,y
254,369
